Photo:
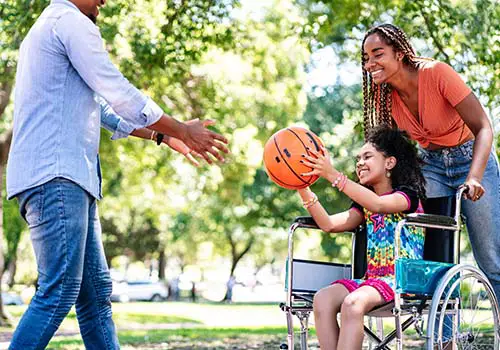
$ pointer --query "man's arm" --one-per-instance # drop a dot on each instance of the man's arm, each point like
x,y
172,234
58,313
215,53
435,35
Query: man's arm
x,y
81,40
175,144
195,135
116,125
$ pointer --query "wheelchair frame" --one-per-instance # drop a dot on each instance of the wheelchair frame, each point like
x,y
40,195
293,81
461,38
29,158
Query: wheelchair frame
x,y
299,302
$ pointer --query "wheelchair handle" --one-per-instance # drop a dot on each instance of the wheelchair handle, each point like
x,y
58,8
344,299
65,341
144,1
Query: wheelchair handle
x,y
463,189
306,222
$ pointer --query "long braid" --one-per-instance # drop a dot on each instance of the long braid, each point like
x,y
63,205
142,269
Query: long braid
x,y
377,99
366,120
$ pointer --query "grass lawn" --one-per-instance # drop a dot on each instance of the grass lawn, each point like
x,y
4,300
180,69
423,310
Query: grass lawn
x,y
179,325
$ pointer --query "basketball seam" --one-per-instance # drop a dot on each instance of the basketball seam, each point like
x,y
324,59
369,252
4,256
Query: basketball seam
x,y
288,165
305,147
280,181
313,140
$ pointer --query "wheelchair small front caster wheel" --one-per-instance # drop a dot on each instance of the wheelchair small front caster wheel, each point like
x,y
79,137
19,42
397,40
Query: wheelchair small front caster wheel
x,y
283,346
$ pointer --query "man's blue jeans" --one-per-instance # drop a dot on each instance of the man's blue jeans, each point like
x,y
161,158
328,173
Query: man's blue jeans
x,y
72,270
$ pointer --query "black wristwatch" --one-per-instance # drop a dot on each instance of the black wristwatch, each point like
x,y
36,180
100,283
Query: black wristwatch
x,y
159,138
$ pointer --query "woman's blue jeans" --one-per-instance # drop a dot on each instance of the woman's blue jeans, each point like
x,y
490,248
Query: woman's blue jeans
x,y
445,170
72,270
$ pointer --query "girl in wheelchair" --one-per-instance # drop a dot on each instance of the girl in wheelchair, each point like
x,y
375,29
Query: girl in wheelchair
x,y
391,185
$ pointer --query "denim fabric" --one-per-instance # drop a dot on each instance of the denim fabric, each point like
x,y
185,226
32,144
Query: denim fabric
x,y
445,170
66,236
63,76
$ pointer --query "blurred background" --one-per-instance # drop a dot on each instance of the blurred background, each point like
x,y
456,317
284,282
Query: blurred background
x,y
218,234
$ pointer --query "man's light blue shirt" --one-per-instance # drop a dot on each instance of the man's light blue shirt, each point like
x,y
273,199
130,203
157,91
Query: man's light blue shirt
x,y
66,88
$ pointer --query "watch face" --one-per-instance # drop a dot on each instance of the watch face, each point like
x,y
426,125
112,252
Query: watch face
x,y
159,139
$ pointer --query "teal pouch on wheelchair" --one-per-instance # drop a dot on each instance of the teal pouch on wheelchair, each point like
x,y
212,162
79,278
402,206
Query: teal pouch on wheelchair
x,y
419,276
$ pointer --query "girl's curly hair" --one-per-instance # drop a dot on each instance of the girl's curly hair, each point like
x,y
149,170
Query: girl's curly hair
x,y
396,143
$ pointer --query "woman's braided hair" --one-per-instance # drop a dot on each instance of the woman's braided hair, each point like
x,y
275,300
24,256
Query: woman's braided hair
x,y
377,99
395,143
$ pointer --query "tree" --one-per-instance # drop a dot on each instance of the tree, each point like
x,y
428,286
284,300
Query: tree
x,y
251,86
14,226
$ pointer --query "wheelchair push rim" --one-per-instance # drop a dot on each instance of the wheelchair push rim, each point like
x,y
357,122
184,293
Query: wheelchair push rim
x,y
467,315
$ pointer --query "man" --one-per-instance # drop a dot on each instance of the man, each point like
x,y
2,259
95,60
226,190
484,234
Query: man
x,y
66,87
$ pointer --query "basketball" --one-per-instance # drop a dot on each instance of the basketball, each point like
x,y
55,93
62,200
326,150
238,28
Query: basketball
x,y
283,153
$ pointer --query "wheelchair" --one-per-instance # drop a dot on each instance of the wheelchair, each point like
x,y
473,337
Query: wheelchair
x,y
456,300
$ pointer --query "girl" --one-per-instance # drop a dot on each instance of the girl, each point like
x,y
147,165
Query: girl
x,y
429,100
391,184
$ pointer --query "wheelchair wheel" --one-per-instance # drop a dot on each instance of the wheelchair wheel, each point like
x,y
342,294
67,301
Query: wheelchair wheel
x,y
464,312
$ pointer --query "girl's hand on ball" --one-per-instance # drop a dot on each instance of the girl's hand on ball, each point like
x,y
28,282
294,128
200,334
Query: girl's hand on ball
x,y
319,163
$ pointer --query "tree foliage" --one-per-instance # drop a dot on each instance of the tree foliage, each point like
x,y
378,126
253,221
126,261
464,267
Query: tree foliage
x,y
252,85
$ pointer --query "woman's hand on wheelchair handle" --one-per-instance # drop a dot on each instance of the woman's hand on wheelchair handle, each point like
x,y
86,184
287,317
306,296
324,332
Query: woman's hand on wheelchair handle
x,y
473,189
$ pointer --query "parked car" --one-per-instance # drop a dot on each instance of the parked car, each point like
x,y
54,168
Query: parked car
x,y
143,290
11,299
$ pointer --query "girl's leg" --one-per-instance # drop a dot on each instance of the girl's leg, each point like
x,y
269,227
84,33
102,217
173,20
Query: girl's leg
x,y
326,306
352,312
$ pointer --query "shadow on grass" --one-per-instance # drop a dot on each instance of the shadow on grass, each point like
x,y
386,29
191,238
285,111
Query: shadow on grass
x,y
207,338
190,338
127,318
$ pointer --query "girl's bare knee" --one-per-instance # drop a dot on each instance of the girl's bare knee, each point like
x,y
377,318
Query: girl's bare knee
x,y
352,306
326,301
321,300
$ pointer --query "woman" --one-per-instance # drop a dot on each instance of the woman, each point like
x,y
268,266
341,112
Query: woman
x,y
429,100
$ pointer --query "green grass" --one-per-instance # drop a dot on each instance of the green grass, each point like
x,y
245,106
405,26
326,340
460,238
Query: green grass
x,y
201,326
196,338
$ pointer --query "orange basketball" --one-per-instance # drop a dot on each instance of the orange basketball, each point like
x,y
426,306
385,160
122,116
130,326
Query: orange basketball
x,y
283,153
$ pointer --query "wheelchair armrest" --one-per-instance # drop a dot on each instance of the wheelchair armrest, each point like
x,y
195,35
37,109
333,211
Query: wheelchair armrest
x,y
430,219
306,221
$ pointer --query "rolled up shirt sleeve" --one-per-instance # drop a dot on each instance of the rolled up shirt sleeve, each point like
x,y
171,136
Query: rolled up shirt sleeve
x,y
81,40
113,122
118,126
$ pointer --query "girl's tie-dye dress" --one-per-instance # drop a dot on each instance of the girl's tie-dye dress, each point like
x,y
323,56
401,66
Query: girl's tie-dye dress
x,y
380,229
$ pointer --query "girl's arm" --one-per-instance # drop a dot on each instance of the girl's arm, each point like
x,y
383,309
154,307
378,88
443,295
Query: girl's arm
x,y
475,118
341,222
322,166
391,203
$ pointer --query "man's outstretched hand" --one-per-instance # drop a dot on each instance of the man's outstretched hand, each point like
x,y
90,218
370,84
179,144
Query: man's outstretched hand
x,y
179,146
203,141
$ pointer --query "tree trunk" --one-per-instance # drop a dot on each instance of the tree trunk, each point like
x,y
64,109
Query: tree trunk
x,y
5,139
162,264
12,267
5,319
235,259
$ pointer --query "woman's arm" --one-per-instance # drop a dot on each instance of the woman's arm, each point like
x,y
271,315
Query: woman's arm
x,y
341,222
475,118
